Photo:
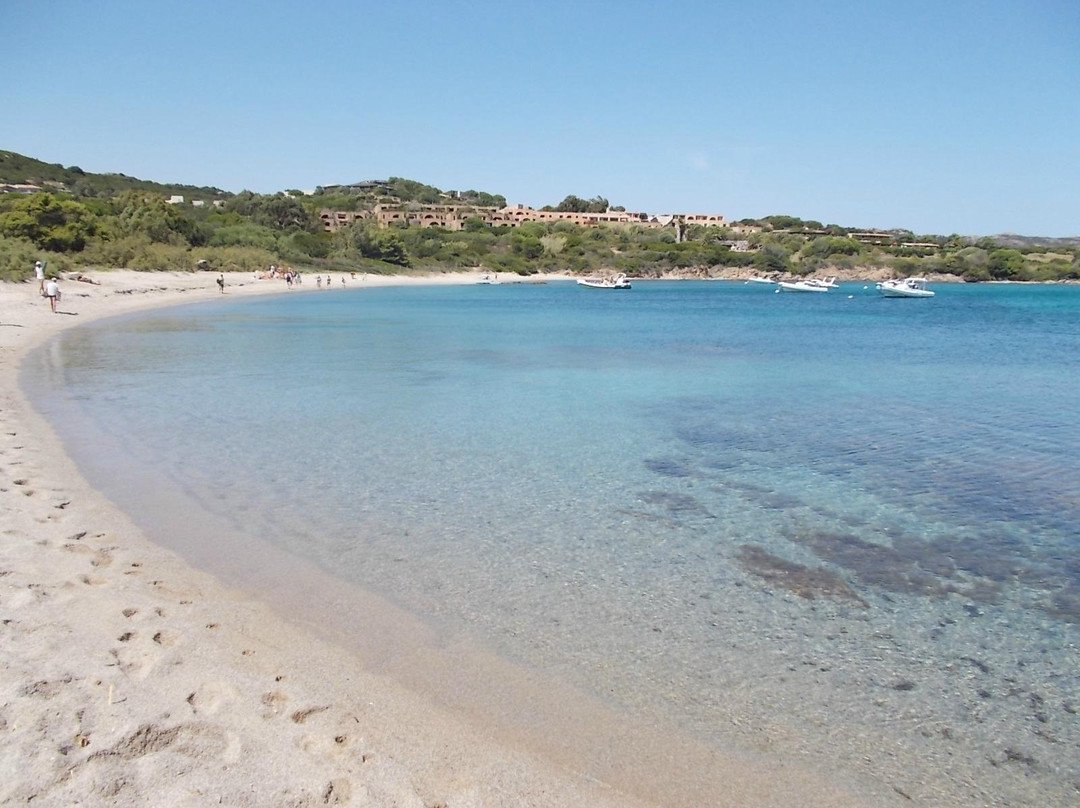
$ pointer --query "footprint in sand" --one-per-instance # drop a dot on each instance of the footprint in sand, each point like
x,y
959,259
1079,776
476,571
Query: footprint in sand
x,y
139,656
337,736
30,596
166,639
199,741
337,792
300,716
326,746
211,697
130,664
46,688
100,557
276,701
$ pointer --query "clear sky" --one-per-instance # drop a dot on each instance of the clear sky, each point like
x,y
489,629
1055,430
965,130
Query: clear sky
x,y
942,116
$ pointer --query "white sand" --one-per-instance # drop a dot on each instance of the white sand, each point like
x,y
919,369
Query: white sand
x,y
129,678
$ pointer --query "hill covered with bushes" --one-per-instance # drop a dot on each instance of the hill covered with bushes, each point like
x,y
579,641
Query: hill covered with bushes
x,y
80,220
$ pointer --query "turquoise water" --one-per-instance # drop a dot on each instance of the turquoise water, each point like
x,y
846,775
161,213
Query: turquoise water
x,y
850,523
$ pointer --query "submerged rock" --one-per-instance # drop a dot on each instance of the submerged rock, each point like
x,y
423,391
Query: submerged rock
x,y
806,582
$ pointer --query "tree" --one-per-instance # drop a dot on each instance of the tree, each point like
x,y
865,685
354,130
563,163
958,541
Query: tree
x,y
244,235
824,246
783,222
152,216
1005,264
282,212
528,246
413,191
61,225
362,240
276,211
553,245
483,200
575,204
772,258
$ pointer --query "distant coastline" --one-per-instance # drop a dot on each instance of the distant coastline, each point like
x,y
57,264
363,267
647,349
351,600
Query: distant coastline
x,y
75,220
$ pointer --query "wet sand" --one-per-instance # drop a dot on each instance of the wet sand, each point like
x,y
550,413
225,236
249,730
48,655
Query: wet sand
x,y
128,677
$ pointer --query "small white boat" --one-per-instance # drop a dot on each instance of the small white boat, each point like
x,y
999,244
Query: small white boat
x,y
908,287
753,279
802,286
488,279
618,282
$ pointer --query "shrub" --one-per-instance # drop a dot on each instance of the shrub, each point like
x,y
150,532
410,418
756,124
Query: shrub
x,y
245,235
17,257
233,259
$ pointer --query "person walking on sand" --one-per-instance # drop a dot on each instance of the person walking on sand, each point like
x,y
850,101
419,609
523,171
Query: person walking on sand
x,y
52,291
39,273
221,283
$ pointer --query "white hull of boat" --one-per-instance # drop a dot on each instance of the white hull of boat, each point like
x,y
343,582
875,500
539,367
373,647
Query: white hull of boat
x,y
605,283
801,286
908,287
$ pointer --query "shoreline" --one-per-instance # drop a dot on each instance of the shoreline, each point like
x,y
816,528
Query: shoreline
x,y
121,665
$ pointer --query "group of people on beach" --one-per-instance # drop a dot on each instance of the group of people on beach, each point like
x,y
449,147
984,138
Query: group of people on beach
x,y
329,280
48,287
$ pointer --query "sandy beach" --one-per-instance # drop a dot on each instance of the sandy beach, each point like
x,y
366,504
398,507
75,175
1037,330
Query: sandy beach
x,y
130,678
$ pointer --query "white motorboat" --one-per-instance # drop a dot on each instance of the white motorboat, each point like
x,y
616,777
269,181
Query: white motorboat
x,y
802,286
908,287
753,279
618,282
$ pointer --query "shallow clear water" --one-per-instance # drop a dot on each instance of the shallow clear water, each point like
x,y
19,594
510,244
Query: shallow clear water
x,y
712,504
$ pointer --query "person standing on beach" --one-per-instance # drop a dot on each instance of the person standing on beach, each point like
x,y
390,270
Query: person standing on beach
x,y
39,273
221,283
52,291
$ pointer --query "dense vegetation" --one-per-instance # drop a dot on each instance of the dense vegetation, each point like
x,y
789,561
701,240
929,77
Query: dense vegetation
x,y
87,220
16,168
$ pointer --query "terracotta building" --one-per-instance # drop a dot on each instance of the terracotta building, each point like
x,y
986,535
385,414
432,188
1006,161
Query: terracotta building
x,y
454,217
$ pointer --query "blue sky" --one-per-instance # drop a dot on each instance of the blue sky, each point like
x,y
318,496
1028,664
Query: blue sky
x,y
941,117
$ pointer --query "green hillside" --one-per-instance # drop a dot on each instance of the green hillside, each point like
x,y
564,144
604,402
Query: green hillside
x,y
19,169
82,220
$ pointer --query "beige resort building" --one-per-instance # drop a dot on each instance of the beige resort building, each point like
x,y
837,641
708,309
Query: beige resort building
x,y
453,217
